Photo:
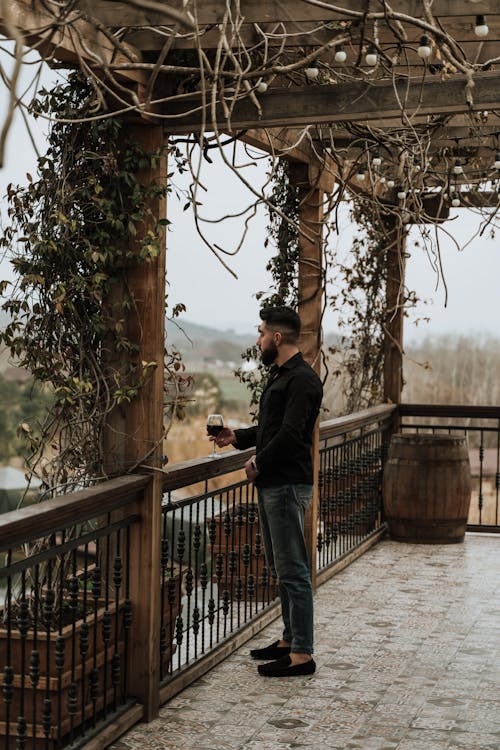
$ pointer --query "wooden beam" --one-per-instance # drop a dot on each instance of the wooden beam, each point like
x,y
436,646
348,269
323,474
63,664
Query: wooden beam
x,y
361,101
310,307
121,14
393,326
317,34
288,143
68,40
144,427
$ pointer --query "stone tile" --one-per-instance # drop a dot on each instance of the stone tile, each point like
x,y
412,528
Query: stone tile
x,y
408,654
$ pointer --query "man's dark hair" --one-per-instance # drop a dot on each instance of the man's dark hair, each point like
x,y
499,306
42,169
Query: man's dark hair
x,y
282,319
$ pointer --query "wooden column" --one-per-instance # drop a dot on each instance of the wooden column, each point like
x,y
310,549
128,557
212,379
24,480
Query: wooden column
x,y
310,287
393,346
144,433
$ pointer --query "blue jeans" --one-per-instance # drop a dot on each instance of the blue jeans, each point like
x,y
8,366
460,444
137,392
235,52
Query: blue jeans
x,y
281,514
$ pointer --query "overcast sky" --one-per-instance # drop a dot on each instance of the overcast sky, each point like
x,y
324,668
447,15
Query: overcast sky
x,y
213,297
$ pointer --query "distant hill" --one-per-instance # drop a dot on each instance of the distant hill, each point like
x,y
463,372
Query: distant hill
x,y
193,338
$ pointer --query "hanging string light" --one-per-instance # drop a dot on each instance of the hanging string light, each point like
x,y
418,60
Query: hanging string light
x,y
481,28
371,57
496,163
360,174
340,54
376,159
457,167
424,50
262,87
312,71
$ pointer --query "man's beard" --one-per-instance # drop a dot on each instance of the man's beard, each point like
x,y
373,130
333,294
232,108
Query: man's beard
x,y
269,354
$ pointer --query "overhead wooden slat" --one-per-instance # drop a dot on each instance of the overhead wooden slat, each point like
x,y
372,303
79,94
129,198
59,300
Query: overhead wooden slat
x,y
337,103
307,34
68,42
120,14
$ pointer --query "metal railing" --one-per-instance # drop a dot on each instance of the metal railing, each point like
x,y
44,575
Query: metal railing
x,y
77,603
481,426
351,462
67,616
214,574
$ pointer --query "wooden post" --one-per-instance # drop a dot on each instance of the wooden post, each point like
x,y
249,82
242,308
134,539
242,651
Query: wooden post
x,y
310,286
395,294
144,434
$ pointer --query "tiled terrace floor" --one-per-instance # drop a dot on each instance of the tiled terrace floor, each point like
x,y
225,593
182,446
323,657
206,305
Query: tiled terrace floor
x,y
408,655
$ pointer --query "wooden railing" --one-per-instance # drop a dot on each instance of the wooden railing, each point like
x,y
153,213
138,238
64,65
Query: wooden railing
x,y
72,600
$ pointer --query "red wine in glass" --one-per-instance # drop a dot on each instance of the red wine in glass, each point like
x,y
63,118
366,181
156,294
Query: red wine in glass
x,y
215,424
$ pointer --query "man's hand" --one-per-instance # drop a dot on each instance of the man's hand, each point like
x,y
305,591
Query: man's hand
x,y
225,437
250,469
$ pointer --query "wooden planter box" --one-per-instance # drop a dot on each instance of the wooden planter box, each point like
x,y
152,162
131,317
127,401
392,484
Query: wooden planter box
x,y
55,684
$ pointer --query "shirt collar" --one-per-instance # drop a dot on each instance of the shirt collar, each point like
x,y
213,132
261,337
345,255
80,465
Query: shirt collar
x,y
288,365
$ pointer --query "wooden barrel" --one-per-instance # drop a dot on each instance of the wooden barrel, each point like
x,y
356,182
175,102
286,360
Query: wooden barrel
x,y
427,488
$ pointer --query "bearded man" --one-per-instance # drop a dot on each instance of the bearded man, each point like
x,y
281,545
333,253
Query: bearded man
x,y
282,471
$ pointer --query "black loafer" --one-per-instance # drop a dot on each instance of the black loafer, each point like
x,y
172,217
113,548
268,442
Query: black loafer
x,y
284,668
270,652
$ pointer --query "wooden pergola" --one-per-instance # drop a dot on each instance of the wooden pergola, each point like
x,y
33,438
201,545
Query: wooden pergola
x,y
149,57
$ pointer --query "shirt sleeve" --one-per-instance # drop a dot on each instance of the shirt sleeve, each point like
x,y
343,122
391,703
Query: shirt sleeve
x,y
303,401
245,438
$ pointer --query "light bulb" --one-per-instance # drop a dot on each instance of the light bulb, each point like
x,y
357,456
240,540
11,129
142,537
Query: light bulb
x,y
481,29
497,161
262,87
457,167
371,56
312,71
376,160
390,183
360,176
401,194
340,53
424,51
381,179
455,201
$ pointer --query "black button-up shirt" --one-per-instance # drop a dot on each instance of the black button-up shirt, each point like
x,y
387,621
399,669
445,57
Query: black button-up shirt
x,y
289,406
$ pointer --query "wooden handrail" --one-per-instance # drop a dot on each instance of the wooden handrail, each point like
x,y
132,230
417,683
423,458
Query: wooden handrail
x,y
35,521
451,410
185,473
341,425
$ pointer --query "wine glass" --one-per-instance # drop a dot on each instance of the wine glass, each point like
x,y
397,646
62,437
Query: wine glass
x,y
215,424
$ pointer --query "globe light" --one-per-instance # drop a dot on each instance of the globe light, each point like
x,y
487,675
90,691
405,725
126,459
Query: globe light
x,y
457,167
371,58
312,71
340,53
401,194
424,51
262,87
481,29
390,183
376,159
497,161
360,175
382,179
455,201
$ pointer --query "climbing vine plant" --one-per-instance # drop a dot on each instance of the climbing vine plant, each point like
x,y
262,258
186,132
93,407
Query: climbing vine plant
x,y
361,303
283,266
75,233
